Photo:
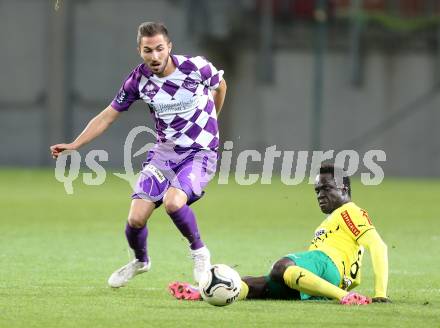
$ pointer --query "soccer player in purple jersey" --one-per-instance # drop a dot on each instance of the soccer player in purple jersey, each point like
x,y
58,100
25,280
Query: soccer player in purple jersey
x,y
184,95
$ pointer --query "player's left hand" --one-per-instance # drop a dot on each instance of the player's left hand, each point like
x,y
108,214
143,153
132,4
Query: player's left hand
x,y
381,300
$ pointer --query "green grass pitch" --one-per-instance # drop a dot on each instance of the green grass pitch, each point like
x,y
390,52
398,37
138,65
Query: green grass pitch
x,y
57,251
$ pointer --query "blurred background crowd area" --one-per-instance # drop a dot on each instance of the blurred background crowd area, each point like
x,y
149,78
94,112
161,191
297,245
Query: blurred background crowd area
x,y
301,74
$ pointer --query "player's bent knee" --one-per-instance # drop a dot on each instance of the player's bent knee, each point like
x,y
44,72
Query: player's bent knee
x,y
174,200
173,206
139,213
278,269
137,221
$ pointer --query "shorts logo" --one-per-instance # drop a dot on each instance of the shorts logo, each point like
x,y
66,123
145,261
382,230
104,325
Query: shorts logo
x,y
156,172
350,224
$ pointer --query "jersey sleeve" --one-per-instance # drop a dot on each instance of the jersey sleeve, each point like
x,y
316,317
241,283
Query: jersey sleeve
x,y
211,77
356,222
379,259
128,93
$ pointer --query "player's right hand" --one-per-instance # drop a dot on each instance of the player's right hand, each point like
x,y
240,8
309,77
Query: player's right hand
x,y
57,149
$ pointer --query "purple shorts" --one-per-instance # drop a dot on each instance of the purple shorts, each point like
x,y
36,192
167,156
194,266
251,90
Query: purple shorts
x,y
188,170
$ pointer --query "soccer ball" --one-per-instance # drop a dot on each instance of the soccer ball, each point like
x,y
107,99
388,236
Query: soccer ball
x,y
220,285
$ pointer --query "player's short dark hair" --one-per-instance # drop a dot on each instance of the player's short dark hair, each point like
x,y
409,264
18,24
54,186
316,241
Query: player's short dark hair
x,y
152,29
334,170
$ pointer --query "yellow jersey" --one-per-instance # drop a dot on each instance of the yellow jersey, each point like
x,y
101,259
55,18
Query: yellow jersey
x,y
337,236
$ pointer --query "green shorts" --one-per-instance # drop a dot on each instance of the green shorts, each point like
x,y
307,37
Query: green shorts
x,y
314,261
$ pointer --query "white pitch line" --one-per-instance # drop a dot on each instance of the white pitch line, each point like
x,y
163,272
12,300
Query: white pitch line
x,y
72,288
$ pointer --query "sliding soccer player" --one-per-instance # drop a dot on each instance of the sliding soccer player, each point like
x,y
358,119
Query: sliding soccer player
x,y
332,265
184,94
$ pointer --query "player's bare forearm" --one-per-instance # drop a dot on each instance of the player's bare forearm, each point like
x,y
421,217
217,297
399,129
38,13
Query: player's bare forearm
x,y
219,95
379,259
94,128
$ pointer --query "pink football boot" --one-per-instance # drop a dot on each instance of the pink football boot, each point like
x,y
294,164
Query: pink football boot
x,y
353,298
184,291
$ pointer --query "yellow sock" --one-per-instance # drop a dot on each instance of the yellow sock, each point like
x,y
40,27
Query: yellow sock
x,y
243,291
307,282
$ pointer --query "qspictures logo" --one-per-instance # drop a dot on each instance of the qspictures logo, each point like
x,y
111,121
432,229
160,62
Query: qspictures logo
x,y
231,164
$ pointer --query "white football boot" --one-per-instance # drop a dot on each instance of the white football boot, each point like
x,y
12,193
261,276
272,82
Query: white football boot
x,y
122,276
202,262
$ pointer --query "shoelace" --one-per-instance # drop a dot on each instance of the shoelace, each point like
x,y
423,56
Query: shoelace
x,y
199,261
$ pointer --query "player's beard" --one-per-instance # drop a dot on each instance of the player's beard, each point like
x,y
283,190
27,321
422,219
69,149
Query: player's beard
x,y
164,66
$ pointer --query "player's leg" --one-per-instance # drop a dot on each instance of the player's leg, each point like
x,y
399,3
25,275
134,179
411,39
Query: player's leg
x,y
175,202
307,282
136,233
191,176
265,287
296,275
148,194
254,288
251,288
304,280
136,230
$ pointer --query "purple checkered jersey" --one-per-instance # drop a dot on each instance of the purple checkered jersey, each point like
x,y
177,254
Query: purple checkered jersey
x,y
181,103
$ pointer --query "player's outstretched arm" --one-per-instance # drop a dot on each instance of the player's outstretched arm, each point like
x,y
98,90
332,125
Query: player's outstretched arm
x,y
219,95
96,127
379,258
